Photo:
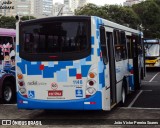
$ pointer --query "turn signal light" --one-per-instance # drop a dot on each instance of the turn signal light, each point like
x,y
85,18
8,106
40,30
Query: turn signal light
x,y
91,75
20,76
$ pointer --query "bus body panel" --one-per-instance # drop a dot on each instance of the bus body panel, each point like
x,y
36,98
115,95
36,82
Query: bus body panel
x,y
80,104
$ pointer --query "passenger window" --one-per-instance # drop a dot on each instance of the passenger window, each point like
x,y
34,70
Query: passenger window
x,y
103,44
120,45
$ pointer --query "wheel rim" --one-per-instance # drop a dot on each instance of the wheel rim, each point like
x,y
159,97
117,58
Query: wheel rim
x,y
123,95
7,93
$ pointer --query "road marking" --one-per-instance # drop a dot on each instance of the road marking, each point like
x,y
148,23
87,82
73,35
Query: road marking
x,y
130,105
8,104
140,108
154,77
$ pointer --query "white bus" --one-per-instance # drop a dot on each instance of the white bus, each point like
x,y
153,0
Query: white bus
x,y
76,63
152,52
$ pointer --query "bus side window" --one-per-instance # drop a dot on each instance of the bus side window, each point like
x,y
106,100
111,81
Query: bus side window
x,y
120,45
103,44
129,47
123,45
117,45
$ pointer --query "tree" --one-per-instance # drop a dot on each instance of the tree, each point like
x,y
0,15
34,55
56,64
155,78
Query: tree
x,y
7,22
122,15
27,18
91,10
149,13
116,13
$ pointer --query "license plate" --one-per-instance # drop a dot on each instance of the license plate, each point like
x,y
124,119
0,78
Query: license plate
x,y
55,93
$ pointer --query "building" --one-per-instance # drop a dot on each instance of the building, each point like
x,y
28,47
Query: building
x,y
23,7
7,11
68,7
131,2
37,8
57,9
82,3
43,8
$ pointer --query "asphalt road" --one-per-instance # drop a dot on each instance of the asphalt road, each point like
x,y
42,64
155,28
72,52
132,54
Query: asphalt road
x,y
142,106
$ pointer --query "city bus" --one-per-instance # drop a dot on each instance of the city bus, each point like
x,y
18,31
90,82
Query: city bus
x,y
7,65
76,63
152,52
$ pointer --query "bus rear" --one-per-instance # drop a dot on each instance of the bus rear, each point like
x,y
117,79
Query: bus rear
x,y
57,64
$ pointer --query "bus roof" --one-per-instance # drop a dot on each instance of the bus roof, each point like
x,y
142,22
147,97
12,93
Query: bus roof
x,y
7,32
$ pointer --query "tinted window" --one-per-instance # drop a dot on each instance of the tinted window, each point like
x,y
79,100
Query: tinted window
x,y
103,44
58,38
129,47
120,45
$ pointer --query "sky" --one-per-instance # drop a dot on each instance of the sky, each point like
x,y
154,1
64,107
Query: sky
x,y
99,2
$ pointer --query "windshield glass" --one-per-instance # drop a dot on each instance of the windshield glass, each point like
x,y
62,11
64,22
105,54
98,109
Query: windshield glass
x,y
152,49
6,39
55,37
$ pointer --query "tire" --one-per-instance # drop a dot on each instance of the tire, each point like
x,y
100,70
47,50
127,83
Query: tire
x,y
8,93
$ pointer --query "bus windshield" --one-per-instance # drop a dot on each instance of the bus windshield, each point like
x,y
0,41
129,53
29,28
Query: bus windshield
x,y
152,50
59,39
6,39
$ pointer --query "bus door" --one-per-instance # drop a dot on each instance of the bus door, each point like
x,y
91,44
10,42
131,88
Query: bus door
x,y
136,62
112,71
106,39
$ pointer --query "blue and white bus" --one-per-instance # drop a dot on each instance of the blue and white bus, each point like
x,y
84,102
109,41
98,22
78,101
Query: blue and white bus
x,y
76,63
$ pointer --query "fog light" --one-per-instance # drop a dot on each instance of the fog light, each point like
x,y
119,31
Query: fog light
x,y
91,75
20,76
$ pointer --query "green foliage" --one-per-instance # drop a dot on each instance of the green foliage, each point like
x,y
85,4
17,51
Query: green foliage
x,y
7,22
123,15
145,15
91,10
27,18
119,14
149,13
10,22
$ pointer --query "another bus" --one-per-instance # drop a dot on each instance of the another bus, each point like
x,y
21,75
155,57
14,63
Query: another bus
x,y
76,63
7,65
152,52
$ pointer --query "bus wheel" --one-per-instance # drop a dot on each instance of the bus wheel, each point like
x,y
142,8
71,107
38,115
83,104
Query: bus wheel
x,y
8,93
